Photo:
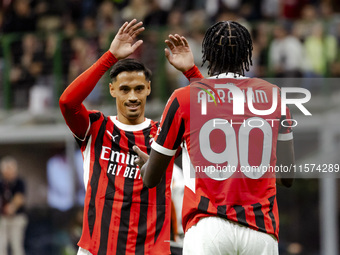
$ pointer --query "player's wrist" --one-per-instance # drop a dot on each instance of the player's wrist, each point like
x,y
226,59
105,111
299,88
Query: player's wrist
x,y
193,72
112,57
188,68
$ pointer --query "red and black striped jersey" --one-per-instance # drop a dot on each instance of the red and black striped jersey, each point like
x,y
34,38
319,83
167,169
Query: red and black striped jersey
x,y
228,158
121,216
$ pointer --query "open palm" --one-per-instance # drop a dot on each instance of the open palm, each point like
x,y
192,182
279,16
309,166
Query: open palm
x,y
123,43
181,56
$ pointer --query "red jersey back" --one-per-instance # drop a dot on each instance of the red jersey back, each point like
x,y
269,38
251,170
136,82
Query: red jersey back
x,y
230,156
121,216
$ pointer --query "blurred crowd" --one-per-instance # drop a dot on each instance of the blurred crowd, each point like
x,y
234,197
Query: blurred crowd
x,y
47,44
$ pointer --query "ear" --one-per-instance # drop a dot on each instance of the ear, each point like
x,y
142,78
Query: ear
x,y
149,87
112,90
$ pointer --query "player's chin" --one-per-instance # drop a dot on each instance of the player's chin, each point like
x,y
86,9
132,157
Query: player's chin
x,y
132,115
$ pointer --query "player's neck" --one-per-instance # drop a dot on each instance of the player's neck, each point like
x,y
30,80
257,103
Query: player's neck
x,y
130,121
236,71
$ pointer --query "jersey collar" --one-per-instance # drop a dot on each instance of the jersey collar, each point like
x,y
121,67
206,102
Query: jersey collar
x,y
228,75
132,128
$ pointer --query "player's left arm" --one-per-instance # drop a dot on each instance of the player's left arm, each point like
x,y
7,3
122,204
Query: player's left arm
x,y
153,167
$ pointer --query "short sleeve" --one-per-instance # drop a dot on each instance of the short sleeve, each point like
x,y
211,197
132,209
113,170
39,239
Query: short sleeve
x,y
171,129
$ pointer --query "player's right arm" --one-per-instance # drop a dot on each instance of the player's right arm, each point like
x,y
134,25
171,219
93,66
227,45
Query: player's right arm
x,y
71,101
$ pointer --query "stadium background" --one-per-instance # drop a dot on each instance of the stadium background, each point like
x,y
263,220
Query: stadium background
x,y
44,45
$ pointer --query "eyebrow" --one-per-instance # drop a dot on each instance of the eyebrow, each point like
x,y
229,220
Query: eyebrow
x,y
137,86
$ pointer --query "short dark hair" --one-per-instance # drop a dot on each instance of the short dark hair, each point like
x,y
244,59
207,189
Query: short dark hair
x,y
129,65
227,46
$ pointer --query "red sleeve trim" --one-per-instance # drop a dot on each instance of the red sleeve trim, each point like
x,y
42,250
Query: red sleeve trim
x,y
193,72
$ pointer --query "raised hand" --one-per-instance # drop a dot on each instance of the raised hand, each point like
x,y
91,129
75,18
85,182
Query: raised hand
x,y
123,43
181,57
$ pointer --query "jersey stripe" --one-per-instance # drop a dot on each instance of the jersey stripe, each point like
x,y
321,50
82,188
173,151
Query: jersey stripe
x,y
241,215
167,122
128,218
142,226
246,199
271,215
259,217
95,177
204,204
160,206
109,194
222,211
126,207
143,212
179,136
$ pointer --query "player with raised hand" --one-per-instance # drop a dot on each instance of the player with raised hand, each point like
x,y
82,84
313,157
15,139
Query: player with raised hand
x,y
229,204
121,216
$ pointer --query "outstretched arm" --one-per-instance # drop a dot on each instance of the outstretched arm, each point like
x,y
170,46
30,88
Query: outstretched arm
x,y
71,101
180,56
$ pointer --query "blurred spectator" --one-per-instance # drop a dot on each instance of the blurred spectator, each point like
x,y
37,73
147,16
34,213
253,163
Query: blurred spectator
x,y
20,17
89,28
166,5
1,20
69,31
108,20
27,67
13,220
84,54
72,33
175,22
65,195
41,94
291,10
321,51
60,178
156,17
335,67
137,9
148,54
260,35
107,17
65,182
329,18
303,27
196,20
285,54
251,10
270,9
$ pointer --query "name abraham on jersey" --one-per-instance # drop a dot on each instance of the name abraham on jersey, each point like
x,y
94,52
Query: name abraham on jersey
x,y
258,96
120,163
239,97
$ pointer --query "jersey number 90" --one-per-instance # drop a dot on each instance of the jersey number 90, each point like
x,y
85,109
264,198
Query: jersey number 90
x,y
235,147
